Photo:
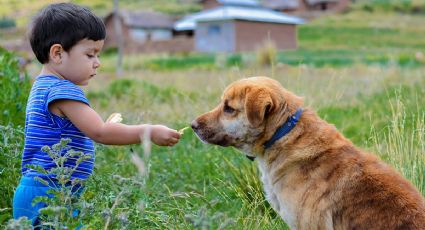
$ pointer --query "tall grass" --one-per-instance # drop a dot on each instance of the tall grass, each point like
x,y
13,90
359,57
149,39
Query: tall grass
x,y
11,146
14,88
193,185
402,143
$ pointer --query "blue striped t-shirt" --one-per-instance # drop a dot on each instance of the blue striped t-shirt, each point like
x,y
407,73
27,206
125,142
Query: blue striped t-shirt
x,y
45,128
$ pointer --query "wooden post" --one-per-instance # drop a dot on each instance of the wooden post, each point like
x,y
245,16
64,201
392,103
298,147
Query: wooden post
x,y
119,38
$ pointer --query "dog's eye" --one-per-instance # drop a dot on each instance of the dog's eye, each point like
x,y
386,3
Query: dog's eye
x,y
228,109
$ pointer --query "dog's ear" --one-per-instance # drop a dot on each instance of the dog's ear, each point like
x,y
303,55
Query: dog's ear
x,y
258,103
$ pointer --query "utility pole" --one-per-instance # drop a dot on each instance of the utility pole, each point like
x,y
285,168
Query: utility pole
x,y
119,38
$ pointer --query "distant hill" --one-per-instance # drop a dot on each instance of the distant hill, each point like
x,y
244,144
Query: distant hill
x,y
22,10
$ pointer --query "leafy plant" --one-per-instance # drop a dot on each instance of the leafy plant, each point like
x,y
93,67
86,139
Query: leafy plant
x,y
11,145
14,88
6,22
64,209
267,53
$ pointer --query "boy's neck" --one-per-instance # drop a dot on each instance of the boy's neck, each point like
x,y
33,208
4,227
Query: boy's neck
x,y
47,70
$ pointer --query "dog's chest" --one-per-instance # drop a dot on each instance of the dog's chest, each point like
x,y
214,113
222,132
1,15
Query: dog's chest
x,y
276,197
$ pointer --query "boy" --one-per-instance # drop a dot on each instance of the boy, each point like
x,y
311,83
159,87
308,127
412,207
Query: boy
x,y
66,39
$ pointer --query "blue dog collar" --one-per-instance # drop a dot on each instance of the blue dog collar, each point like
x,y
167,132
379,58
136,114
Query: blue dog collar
x,y
284,129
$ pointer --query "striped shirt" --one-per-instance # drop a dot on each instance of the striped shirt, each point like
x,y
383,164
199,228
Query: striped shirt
x,y
45,128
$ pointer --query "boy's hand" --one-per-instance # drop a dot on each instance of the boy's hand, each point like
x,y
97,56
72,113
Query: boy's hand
x,y
163,136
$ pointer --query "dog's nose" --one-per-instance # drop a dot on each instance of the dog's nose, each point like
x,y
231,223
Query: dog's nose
x,y
195,125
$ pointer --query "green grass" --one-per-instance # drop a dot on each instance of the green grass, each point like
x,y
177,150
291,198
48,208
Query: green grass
x,y
23,10
194,185
14,88
215,185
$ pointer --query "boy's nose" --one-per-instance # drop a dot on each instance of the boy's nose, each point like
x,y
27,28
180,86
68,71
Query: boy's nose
x,y
96,63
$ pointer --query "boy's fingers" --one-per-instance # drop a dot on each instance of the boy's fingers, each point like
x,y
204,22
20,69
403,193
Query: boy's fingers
x,y
173,141
176,134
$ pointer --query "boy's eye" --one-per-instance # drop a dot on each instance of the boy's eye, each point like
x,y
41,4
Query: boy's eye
x,y
90,55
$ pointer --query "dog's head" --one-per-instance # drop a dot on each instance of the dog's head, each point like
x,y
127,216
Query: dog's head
x,y
250,111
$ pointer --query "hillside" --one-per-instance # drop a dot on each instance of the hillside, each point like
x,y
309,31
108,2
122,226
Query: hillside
x,y
22,10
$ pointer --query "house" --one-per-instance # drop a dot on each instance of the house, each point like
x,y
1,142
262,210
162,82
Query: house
x,y
138,27
303,6
210,4
236,28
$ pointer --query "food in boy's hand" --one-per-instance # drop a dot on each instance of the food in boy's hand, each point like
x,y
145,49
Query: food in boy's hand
x,y
181,131
114,118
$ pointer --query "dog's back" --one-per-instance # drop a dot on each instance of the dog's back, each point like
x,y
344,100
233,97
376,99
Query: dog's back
x,y
339,186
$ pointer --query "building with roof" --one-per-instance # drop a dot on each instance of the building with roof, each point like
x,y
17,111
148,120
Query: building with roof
x,y
303,6
242,26
138,27
210,4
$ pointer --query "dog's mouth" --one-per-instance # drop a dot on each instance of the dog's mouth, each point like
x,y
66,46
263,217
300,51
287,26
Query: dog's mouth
x,y
214,138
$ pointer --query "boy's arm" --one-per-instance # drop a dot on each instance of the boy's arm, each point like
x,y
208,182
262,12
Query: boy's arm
x,y
91,124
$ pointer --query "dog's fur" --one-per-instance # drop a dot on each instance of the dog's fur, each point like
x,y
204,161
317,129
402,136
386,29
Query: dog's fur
x,y
313,176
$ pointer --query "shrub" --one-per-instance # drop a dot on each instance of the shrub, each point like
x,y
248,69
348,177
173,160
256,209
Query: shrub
x,y
267,54
64,207
11,145
402,6
7,23
14,88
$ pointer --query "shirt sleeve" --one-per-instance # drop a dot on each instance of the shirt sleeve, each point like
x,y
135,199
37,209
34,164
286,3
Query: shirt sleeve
x,y
66,90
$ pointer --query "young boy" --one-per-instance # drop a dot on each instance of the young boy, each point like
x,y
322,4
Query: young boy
x,y
66,40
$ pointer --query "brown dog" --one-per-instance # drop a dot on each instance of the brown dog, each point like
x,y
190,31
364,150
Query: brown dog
x,y
313,176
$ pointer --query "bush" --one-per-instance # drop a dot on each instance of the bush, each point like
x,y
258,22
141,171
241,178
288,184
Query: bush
x,y
402,6
7,23
172,63
11,145
14,88
267,54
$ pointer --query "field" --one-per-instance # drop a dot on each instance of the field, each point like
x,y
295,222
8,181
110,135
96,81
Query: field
x,y
362,71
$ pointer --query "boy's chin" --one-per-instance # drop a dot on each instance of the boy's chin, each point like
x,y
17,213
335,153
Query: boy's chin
x,y
84,83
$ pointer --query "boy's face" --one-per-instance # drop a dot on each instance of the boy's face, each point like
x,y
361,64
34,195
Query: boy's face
x,y
80,63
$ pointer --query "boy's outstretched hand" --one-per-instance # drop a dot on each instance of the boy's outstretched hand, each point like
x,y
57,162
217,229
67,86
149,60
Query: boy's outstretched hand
x,y
163,136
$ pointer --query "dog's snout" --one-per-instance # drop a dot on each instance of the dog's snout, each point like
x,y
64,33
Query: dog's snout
x,y
195,125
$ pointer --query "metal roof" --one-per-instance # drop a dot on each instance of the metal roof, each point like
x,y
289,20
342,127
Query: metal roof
x,y
238,2
281,4
312,2
291,4
236,13
145,19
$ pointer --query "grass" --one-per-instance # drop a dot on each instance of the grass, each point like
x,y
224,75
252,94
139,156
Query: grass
x,y
23,10
194,185
195,182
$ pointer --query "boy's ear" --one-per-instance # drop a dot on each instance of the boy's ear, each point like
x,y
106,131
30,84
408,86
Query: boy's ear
x,y
55,53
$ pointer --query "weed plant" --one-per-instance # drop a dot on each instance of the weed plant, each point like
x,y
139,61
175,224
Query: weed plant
x,y
11,146
14,88
62,203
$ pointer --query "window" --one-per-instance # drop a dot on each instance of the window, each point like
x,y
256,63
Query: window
x,y
140,35
161,34
214,30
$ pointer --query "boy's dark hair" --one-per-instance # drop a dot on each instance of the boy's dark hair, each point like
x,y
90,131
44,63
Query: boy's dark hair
x,y
65,24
